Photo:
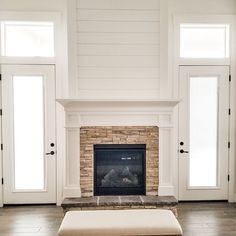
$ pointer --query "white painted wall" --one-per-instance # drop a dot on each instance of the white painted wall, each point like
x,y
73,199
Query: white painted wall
x,y
109,45
203,6
102,22
112,51
118,53
33,5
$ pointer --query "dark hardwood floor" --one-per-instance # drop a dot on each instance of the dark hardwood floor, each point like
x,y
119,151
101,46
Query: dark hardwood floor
x,y
196,219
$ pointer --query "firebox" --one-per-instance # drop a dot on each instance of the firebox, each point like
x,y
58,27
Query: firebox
x,y
119,169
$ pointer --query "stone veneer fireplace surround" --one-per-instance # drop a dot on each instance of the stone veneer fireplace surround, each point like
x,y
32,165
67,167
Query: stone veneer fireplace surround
x,y
90,113
90,136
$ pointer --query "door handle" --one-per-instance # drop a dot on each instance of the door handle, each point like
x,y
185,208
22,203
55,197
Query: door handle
x,y
182,151
50,153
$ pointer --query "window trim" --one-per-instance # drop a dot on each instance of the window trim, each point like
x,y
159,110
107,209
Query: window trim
x,y
4,24
61,72
201,19
54,17
231,62
225,29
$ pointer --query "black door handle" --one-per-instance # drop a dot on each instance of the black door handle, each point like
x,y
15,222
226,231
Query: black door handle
x,y
182,151
50,153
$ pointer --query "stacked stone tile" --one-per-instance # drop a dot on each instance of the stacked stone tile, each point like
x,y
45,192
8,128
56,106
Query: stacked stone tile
x,y
89,136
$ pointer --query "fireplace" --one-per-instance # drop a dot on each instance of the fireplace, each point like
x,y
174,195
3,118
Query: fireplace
x,y
119,169
93,136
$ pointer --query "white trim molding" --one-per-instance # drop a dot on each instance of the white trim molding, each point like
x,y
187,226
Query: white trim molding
x,y
80,113
176,20
61,74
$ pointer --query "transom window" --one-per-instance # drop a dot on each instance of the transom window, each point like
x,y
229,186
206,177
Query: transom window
x,y
204,40
27,39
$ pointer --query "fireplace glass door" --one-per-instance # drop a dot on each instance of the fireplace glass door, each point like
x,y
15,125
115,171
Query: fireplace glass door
x,y
119,169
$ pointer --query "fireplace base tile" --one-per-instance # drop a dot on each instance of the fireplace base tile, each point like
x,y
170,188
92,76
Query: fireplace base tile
x,y
120,202
131,200
81,202
108,201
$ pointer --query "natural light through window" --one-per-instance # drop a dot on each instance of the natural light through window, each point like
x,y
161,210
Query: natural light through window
x,y
203,131
27,39
204,41
28,132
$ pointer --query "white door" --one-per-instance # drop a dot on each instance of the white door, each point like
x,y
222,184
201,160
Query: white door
x,y
28,121
203,132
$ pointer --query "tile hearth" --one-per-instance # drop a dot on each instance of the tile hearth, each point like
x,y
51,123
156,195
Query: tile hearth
x,y
120,202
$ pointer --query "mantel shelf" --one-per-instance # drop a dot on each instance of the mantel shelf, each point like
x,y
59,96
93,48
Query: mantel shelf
x,y
69,103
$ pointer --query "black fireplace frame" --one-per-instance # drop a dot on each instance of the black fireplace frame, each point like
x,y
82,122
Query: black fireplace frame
x,y
114,191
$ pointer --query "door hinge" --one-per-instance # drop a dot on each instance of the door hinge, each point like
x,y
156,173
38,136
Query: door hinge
x,y
0,112
0,77
228,144
2,181
229,111
1,146
228,177
229,78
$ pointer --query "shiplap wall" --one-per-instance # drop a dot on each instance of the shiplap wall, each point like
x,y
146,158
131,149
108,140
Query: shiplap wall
x,y
118,49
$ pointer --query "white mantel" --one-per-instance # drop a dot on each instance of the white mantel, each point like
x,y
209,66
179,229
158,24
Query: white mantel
x,y
78,103
161,113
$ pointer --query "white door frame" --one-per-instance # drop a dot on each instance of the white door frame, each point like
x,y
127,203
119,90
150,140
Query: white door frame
x,y
48,193
231,62
61,75
60,135
220,191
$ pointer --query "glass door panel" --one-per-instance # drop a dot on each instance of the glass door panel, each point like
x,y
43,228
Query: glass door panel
x,y
28,132
203,109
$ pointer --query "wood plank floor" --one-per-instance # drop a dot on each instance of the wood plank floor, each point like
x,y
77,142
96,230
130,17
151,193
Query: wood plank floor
x,y
207,219
30,220
196,219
